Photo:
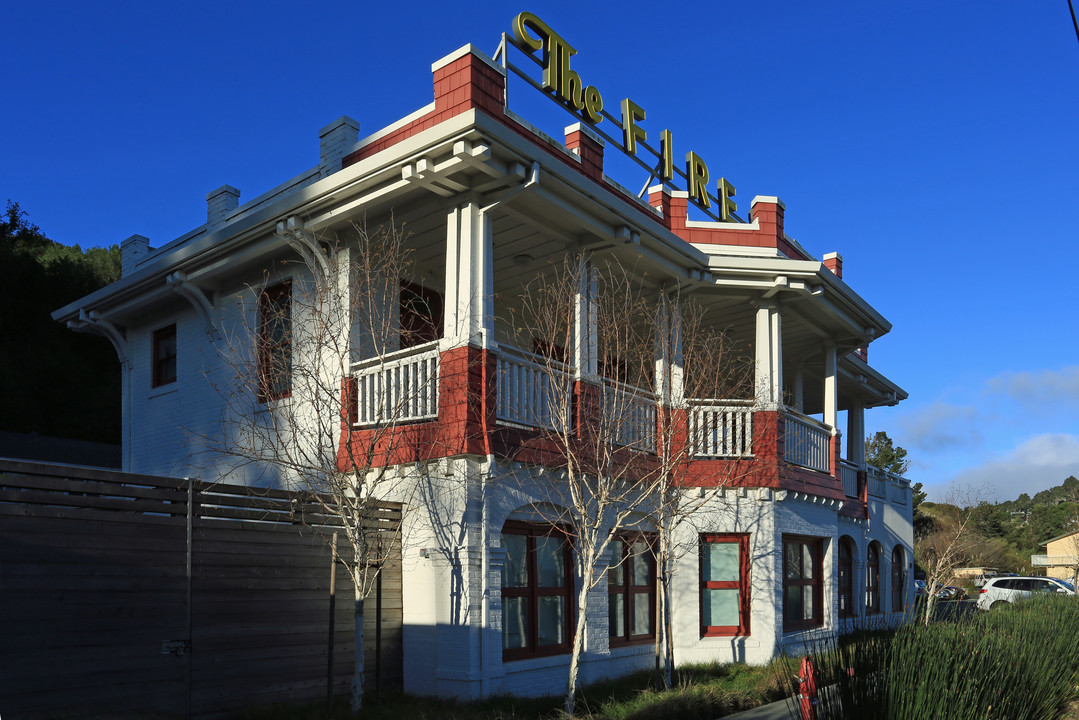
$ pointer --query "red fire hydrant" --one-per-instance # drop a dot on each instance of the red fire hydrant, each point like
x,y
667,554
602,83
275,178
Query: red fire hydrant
x,y
807,689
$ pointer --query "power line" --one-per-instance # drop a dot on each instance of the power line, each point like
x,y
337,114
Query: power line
x,y
1076,24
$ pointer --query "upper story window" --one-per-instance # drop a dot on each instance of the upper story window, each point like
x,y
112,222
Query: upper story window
x,y
537,591
724,585
846,578
631,589
872,578
803,591
275,342
164,356
421,315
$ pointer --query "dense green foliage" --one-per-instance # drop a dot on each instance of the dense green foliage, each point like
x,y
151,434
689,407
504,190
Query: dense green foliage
x,y
55,382
1017,663
881,453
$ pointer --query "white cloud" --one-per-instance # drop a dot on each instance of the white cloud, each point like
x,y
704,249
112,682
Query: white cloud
x,y
941,426
1039,463
1043,389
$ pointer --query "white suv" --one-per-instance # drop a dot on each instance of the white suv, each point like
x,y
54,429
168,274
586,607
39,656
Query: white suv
x,y
1009,589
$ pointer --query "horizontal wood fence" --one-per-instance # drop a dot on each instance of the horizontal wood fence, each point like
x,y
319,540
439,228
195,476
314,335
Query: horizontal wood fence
x,y
128,595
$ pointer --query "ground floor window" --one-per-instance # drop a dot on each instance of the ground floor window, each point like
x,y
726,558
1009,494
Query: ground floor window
x,y
803,590
724,585
846,578
872,579
898,576
537,591
631,588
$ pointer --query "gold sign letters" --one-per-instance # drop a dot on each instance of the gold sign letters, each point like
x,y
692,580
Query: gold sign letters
x,y
566,84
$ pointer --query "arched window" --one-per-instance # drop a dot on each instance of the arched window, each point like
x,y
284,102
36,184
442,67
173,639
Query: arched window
x,y
899,574
872,579
846,578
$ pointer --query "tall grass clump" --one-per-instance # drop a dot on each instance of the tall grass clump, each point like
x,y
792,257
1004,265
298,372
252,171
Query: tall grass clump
x,y
1020,662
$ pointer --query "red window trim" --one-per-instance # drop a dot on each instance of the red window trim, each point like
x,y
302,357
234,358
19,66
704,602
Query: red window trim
x,y
266,349
532,591
158,360
743,627
817,582
628,591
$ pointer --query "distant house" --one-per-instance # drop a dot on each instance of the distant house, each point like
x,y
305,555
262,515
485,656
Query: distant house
x,y
1061,556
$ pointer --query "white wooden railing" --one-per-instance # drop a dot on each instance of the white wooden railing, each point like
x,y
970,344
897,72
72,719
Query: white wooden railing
x,y
401,386
848,473
808,442
721,428
900,490
1053,560
878,483
629,414
532,391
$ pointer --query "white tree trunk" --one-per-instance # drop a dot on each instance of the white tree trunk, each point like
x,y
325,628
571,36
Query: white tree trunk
x,y
357,655
578,646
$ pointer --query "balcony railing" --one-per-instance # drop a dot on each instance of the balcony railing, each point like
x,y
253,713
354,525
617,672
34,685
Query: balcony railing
x,y
629,414
398,387
808,442
1053,560
848,473
721,428
532,391
878,483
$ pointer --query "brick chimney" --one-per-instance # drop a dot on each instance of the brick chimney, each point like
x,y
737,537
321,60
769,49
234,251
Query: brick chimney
x,y
335,141
219,204
132,251
834,262
587,145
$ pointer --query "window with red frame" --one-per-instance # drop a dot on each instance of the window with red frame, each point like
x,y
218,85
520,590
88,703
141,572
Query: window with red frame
x,y
803,589
421,315
724,585
275,342
537,591
846,578
164,350
872,579
631,589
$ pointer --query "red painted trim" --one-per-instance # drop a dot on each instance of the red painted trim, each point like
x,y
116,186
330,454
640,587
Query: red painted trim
x,y
743,586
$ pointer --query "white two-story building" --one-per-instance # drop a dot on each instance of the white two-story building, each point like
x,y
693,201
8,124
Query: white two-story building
x,y
803,539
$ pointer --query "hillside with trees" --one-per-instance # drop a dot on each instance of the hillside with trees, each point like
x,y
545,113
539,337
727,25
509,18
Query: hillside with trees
x,y
55,382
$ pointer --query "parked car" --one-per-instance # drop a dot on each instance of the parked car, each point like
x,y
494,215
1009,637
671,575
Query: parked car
x,y
919,588
999,590
951,592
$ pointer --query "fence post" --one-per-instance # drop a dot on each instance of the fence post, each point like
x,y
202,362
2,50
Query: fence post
x,y
333,604
190,547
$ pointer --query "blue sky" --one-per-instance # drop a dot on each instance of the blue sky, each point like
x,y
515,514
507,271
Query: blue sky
x,y
935,145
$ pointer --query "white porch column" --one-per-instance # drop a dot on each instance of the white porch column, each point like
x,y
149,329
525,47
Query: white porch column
x,y
585,351
469,305
831,388
670,387
769,357
799,389
856,435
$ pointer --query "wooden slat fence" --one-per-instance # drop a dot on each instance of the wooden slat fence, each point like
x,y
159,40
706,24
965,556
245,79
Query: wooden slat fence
x,y
99,617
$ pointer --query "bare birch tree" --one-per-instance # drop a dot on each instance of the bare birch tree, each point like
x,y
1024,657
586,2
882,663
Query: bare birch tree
x,y
705,432
601,335
310,405
948,544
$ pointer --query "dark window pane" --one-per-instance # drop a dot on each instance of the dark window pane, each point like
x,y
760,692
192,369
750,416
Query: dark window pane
x,y
551,568
551,621
515,570
514,623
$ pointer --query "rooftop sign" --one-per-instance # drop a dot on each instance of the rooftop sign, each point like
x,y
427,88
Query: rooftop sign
x,y
531,35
